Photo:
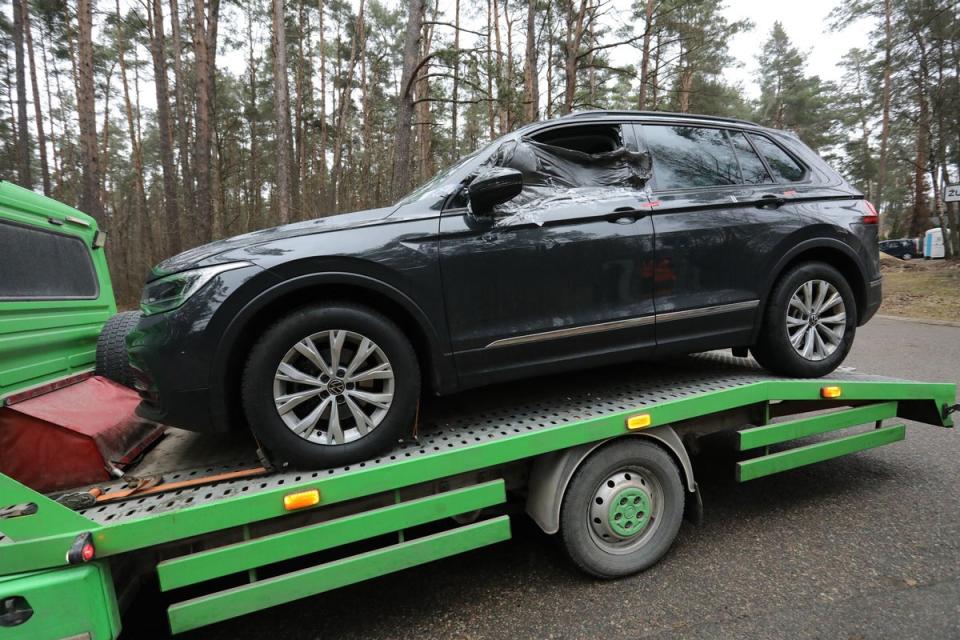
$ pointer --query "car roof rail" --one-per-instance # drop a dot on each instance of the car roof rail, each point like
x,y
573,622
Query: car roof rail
x,y
665,114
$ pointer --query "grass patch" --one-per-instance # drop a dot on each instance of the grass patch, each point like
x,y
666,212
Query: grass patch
x,y
928,289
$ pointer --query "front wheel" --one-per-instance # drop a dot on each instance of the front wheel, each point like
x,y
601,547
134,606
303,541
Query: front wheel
x,y
809,323
622,509
331,385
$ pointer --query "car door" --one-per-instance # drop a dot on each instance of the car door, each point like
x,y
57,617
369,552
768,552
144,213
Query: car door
x,y
715,228
553,281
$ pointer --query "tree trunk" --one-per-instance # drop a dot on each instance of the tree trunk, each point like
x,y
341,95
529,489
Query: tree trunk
x,y
180,104
46,83
921,212
253,113
284,195
37,107
490,107
411,46
323,112
343,114
157,46
885,99
645,54
203,206
90,201
299,141
531,88
140,195
24,175
574,37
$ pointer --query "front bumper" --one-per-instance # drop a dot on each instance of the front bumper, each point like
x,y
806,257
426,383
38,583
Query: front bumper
x,y
874,296
173,353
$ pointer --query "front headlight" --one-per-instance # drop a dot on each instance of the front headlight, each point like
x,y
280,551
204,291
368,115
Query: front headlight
x,y
169,292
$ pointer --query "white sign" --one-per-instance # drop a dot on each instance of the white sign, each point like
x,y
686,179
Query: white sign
x,y
952,193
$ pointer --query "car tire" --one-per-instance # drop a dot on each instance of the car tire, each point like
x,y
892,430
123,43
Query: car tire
x,y
632,472
907,256
367,406
814,344
112,361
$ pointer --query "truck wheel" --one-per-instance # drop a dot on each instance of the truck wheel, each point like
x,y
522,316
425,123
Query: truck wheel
x,y
809,323
112,361
331,385
622,509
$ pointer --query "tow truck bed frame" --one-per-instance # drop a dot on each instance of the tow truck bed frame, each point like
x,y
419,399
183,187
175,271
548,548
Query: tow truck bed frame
x,y
237,538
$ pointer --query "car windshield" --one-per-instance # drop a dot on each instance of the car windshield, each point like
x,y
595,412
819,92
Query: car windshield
x,y
444,182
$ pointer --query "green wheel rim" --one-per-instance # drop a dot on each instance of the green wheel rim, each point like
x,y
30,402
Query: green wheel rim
x,y
629,512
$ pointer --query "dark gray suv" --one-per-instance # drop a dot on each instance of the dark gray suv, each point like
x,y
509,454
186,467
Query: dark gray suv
x,y
595,238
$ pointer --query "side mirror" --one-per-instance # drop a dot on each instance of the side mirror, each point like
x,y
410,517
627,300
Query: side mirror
x,y
493,187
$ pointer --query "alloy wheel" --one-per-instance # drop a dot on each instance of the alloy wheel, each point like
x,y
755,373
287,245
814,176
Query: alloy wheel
x,y
333,387
816,320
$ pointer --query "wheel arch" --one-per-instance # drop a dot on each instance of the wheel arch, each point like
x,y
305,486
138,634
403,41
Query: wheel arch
x,y
239,336
830,251
551,474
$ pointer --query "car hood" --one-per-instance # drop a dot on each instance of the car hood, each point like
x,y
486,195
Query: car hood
x,y
206,254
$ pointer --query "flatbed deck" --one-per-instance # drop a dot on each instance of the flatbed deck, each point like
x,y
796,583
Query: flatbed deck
x,y
464,445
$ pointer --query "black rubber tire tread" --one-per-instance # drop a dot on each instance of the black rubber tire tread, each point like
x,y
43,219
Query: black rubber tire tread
x,y
574,534
112,361
285,446
773,350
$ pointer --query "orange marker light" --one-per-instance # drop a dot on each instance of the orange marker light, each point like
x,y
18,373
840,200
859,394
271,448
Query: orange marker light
x,y
641,421
301,499
830,392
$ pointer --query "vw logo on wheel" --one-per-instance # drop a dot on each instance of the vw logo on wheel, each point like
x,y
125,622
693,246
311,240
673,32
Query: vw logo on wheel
x,y
336,386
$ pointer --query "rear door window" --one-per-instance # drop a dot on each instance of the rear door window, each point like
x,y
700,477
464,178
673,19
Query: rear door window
x,y
751,166
37,264
783,166
685,157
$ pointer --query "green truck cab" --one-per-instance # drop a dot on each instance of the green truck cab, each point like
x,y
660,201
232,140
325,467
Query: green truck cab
x,y
55,290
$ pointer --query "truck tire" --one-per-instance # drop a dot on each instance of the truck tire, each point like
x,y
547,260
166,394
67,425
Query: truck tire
x,y
330,385
809,323
622,509
112,361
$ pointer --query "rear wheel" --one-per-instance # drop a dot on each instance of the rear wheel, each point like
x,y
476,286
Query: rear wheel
x,y
331,385
622,509
809,323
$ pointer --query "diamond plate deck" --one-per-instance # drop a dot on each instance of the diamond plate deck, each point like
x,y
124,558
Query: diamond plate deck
x,y
486,414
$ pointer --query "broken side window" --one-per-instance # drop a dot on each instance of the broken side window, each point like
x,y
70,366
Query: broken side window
x,y
566,163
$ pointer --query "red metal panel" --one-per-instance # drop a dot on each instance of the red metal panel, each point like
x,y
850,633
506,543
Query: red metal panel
x,y
68,437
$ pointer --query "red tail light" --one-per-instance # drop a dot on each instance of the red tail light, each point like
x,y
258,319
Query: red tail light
x,y
871,216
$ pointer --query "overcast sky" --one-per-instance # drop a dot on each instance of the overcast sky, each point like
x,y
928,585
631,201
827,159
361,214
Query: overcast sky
x,y
805,22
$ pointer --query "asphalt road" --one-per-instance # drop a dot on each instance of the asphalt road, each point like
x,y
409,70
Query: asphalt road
x,y
866,546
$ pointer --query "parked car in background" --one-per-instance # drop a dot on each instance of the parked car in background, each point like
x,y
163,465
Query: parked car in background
x,y
596,238
903,248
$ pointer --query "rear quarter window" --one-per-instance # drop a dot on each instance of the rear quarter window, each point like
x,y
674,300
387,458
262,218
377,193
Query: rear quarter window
x,y
37,264
783,167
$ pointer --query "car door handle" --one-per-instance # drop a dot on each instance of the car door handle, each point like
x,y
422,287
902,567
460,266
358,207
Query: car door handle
x,y
625,215
771,201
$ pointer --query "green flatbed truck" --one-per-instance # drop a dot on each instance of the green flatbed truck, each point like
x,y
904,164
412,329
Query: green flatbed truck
x,y
604,460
